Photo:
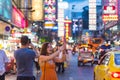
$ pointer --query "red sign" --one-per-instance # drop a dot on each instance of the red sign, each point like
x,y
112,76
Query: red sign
x,y
110,12
18,18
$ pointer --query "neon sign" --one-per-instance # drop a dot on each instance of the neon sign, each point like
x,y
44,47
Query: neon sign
x,y
50,10
110,17
110,12
18,18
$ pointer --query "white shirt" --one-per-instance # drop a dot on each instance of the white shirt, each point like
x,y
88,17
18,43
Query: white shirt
x,y
3,60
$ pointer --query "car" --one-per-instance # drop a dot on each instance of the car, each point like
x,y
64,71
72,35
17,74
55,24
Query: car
x,y
85,57
108,67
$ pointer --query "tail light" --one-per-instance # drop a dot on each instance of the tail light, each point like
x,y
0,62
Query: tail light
x,y
115,74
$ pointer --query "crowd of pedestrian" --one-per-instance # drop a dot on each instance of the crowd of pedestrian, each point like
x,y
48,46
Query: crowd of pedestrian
x,y
28,59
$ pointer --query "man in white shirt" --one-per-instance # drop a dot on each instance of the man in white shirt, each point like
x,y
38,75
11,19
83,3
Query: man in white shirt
x,y
3,62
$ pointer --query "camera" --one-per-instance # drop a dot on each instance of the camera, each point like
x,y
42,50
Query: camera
x,y
29,40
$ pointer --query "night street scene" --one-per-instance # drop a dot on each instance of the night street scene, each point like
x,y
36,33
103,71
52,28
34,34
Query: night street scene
x,y
59,40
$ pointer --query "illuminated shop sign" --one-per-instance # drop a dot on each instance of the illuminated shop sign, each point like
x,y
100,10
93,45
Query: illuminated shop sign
x,y
18,18
119,7
6,9
63,5
49,24
1,7
60,22
92,14
50,10
50,13
110,12
37,6
4,28
67,28
108,17
7,12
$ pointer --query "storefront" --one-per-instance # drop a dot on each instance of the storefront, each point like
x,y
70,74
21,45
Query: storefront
x,y
110,18
11,19
5,16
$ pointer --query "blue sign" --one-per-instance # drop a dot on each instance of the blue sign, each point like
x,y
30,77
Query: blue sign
x,y
1,7
7,28
7,9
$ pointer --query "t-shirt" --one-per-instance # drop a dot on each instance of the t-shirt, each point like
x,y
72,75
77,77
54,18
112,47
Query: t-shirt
x,y
3,60
24,61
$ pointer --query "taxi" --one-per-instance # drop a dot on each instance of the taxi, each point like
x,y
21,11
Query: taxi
x,y
85,56
108,67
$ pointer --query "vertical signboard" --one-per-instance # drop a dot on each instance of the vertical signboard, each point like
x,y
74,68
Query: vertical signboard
x,y
18,18
61,22
119,8
37,6
7,9
61,28
67,29
1,7
110,11
92,14
50,13
50,10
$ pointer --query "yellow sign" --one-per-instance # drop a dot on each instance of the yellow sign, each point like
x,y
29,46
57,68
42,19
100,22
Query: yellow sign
x,y
110,17
37,6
